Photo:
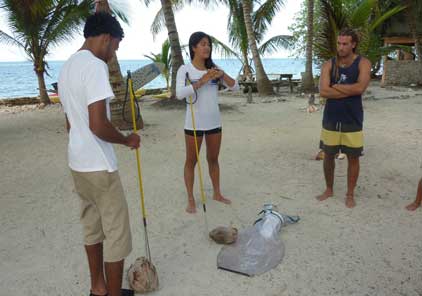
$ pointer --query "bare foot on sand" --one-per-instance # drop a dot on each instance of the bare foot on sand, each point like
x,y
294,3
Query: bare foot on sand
x,y
413,206
191,208
327,193
220,198
350,201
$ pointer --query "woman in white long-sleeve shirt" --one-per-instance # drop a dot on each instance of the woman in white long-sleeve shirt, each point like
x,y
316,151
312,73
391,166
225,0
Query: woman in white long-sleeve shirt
x,y
199,80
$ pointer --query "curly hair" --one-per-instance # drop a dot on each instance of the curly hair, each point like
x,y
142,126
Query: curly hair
x,y
102,23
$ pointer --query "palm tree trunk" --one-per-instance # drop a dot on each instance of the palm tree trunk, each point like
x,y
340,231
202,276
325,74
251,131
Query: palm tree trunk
x,y
44,98
263,83
411,13
308,79
176,51
247,71
119,117
116,78
418,46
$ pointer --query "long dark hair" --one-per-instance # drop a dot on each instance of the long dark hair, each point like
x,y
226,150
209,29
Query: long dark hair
x,y
194,39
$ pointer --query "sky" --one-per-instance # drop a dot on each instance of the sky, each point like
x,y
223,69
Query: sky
x,y
138,39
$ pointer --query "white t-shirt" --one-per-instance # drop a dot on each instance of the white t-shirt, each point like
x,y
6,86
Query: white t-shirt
x,y
206,110
84,80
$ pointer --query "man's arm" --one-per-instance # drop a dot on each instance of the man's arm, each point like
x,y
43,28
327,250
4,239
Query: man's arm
x,y
359,87
103,129
325,90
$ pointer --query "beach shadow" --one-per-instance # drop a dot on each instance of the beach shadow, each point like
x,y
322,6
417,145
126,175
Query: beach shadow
x,y
229,108
169,104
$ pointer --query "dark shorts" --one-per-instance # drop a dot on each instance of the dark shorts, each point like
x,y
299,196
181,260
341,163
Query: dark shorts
x,y
200,133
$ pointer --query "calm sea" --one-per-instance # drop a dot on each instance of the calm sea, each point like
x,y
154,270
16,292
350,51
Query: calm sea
x,y
17,79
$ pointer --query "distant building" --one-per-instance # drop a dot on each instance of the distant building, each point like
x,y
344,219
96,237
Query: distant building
x,y
403,68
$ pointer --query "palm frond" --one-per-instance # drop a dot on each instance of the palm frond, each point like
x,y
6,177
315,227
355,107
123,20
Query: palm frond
x,y
158,23
275,43
65,22
360,16
119,9
381,19
264,15
223,49
9,40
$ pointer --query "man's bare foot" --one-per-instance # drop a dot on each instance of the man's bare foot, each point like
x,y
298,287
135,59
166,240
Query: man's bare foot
x,y
327,193
191,208
350,201
413,206
220,198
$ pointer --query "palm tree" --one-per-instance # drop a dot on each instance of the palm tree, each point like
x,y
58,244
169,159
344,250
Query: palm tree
x,y
363,15
262,18
413,13
163,57
263,83
39,25
116,78
238,37
166,13
308,79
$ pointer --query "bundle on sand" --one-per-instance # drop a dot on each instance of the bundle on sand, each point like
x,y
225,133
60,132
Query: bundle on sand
x,y
224,235
143,276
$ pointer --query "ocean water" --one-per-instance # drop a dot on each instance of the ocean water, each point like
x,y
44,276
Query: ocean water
x,y
18,79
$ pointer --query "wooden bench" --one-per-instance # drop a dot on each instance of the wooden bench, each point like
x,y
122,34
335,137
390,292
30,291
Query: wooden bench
x,y
282,80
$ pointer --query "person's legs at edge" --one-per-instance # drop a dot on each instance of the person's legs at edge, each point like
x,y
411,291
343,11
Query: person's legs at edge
x,y
352,179
417,203
95,262
189,170
213,142
114,275
329,166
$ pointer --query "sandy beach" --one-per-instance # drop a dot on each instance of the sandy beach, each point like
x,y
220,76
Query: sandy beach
x,y
266,157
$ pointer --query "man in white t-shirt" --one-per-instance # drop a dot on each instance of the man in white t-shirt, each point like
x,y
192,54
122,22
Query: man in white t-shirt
x,y
85,92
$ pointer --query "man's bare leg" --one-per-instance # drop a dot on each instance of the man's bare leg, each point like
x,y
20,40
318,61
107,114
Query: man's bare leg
x,y
329,166
352,179
417,203
95,262
114,274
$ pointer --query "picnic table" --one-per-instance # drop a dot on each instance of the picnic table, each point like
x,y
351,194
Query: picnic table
x,y
282,80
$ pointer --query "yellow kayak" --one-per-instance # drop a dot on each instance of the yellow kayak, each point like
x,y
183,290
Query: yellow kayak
x,y
164,95
54,98
140,92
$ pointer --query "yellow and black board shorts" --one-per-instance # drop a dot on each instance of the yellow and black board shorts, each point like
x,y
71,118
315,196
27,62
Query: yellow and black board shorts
x,y
341,137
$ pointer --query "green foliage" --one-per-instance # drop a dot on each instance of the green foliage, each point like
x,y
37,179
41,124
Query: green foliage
x,y
331,16
262,17
38,25
163,57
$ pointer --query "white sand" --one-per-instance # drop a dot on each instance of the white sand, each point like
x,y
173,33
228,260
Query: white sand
x,y
374,249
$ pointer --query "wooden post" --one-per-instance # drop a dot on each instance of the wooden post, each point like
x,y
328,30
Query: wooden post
x,y
249,97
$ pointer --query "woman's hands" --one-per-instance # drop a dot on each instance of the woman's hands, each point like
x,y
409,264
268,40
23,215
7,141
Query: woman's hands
x,y
211,74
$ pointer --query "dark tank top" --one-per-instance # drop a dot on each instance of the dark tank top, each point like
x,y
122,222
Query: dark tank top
x,y
346,110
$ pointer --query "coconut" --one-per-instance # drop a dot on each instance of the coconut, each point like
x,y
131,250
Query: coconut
x,y
224,235
143,276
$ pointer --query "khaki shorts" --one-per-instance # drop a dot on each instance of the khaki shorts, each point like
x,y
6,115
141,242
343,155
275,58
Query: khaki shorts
x,y
104,213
